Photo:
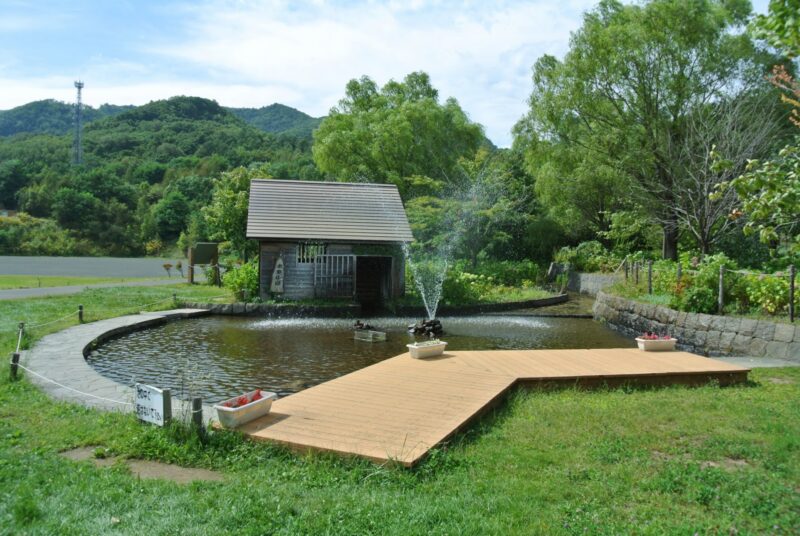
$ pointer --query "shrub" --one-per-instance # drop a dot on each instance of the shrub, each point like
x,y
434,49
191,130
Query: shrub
x,y
699,291
588,257
243,279
510,273
768,294
26,235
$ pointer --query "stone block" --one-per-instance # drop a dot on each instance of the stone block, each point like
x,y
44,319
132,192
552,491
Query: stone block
x,y
238,308
757,348
712,340
717,323
732,324
726,342
793,351
748,326
681,319
672,315
699,339
777,350
741,344
660,314
784,333
765,330
797,333
704,321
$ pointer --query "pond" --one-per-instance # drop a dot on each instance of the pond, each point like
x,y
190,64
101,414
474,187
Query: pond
x,y
218,357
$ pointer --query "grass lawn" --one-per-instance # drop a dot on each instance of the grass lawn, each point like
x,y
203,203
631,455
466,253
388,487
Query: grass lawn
x,y
653,461
41,281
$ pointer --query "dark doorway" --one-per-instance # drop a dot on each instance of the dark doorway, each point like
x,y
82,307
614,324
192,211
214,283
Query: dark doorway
x,y
373,281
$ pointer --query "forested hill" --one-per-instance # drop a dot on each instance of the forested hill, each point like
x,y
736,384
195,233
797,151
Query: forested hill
x,y
50,117
279,119
145,175
55,117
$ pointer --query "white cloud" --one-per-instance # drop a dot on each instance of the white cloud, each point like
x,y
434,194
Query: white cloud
x,y
479,53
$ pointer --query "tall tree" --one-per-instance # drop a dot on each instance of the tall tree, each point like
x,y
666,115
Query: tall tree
x,y
621,97
400,134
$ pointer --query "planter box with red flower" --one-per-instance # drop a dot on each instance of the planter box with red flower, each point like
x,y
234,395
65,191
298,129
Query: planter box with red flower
x,y
650,342
238,410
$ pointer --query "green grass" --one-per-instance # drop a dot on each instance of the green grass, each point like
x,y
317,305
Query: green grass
x,y
41,281
546,462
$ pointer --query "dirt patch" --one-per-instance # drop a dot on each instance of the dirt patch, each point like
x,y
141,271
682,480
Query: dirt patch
x,y
780,381
727,464
143,468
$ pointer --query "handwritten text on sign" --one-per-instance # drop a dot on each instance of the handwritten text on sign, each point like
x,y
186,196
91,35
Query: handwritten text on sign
x,y
152,405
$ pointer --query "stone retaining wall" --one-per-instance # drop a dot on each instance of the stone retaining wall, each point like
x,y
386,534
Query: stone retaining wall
x,y
704,334
591,284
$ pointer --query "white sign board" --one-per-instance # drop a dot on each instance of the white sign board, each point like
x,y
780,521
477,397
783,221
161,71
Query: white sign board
x,y
152,405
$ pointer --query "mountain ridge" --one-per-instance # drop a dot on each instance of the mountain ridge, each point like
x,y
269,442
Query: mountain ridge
x,y
50,116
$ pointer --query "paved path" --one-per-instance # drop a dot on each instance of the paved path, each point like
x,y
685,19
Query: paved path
x,y
15,293
85,266
60,357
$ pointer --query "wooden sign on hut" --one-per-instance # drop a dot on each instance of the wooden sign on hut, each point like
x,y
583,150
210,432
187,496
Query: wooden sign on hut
x,y
329,239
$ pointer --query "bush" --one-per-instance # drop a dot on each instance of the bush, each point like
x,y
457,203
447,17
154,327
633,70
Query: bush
x,y
510,273
768,294
588,257
26,235
243,279
699,290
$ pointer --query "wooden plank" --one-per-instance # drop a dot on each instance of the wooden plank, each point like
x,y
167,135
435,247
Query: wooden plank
x,y
400,408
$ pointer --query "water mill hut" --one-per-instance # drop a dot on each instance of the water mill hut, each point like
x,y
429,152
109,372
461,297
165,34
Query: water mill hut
x,y
329,239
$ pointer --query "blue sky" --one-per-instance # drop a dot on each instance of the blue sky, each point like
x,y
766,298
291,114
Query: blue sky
x,y
252,53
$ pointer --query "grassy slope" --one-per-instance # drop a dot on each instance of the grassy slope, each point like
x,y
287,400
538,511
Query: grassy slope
x,y
565,462
39,281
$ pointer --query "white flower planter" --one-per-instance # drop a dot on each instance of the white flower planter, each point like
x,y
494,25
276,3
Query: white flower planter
x,y
428,350
235,417
656,345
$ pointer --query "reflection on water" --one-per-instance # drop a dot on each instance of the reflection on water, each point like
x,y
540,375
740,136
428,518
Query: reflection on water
x,y
219,357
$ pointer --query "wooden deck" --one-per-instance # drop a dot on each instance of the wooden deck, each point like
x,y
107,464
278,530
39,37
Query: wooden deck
x,y
400,408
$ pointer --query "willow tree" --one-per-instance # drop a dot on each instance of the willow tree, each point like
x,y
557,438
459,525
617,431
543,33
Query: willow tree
x,y
398,134
618,103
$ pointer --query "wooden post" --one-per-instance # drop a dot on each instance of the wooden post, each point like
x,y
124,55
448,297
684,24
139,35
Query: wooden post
x,y
215,270
721,300
197,412
792,279
14,365
649,277
625,262
80,314
680,273
190,271
636,272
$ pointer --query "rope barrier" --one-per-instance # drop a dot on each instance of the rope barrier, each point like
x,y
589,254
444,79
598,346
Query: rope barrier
x,y
53,321
71,388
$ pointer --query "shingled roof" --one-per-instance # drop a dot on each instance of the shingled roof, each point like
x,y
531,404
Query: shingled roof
x,y
333,211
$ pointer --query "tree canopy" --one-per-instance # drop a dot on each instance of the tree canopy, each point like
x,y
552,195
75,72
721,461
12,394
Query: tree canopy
x,y
610,116
399,134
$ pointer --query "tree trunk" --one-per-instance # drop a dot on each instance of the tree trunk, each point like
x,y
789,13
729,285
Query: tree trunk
x,y
669,248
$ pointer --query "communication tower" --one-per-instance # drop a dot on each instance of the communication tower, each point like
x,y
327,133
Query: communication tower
x,y
77,149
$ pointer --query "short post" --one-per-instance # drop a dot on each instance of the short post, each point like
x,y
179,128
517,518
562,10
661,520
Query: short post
x,y
636,272
650,277
721,299
175,298
190,268
197,412
14,365
80,314
792,279
680,273
625,262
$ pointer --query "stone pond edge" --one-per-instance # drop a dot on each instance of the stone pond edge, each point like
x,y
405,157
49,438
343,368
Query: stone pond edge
x,y
703,334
